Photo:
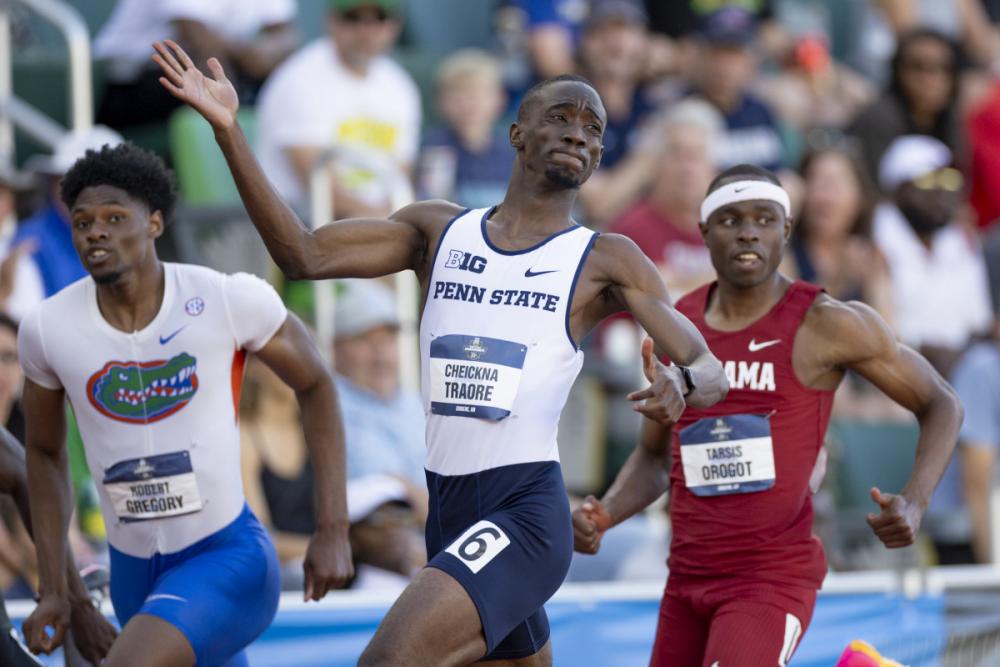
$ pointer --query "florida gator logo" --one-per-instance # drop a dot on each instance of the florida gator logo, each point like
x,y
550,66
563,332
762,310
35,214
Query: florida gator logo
x,y
140,393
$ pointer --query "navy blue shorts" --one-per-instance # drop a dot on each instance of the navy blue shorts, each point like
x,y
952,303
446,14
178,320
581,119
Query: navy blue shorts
x,y
506,536
221,592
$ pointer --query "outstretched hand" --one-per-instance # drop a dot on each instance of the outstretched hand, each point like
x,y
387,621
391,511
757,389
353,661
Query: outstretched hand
x,y
214,98
897,523
663,401
590,521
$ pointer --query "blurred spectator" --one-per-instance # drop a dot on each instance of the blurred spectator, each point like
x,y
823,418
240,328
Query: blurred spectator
x,y
963,21
467,160
921,97
341,90
724,69
384,429
831,243
812,90
612,56
939,280
21,286
959,515
48,230
249,37
10,379
665,224
983,132
553,29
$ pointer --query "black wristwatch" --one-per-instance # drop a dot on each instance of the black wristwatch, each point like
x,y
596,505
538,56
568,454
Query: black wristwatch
x,y
688,379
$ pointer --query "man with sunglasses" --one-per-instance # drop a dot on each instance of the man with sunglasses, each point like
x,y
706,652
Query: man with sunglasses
x,y
940,296
341,90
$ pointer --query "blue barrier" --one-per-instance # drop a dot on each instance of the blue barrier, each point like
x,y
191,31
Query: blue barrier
x,y
619,633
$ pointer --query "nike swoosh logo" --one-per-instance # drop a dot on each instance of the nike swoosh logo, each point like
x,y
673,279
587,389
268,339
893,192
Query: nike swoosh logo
x,y
739,190
164,341
531,274
754,346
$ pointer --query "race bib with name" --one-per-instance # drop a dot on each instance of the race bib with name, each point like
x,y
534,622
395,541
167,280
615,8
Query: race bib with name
x,y
153,487
726,455
475,376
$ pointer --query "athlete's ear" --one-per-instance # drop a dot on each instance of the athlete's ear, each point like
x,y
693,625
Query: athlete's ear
x,y
155,224
703,228
789,225
516,136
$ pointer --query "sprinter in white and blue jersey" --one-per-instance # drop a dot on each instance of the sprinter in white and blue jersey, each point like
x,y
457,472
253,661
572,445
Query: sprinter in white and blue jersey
x,y
150,355
509,291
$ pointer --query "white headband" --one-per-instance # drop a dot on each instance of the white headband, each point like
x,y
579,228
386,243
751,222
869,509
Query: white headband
x,y
745,191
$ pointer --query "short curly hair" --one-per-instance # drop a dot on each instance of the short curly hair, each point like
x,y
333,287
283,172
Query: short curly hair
x,y
140,173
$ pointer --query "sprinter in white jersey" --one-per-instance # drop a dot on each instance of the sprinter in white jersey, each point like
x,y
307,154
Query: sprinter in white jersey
x,y
150,355
509,292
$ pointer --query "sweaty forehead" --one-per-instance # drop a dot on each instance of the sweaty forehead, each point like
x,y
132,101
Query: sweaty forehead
x,y
572,93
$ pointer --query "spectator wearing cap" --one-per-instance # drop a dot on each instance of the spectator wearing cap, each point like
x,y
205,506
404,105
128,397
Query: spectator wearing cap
x,y
468,158
936,267
249,37
724,70
341,91
48,232
384,432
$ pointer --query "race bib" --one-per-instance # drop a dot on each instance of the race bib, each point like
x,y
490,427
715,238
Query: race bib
x,y
153,487
474,376
726,455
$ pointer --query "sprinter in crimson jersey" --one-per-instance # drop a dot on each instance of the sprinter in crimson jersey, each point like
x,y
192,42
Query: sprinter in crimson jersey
x,y
744,564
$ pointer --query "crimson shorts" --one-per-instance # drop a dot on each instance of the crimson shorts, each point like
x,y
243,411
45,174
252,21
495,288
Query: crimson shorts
x,y
730,622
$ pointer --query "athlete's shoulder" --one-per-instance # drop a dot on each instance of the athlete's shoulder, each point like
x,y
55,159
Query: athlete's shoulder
x,y
68,301
849,329
694,299
429,214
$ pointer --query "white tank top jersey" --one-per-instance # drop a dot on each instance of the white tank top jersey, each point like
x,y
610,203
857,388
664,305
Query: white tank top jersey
x,y
157,408
497,356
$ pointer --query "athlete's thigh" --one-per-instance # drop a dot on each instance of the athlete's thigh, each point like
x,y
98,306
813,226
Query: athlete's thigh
x,y
761,631
681,633
541,659
433,623
148,641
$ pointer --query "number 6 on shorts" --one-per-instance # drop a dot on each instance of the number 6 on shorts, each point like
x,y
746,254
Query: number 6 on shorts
x,y
478,545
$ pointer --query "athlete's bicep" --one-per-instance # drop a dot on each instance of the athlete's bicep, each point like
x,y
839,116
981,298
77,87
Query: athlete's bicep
x,y
45,417
642,293
292,354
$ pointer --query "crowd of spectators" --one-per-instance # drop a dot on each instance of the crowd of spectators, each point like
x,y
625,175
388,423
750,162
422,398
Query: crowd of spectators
x,y
881,117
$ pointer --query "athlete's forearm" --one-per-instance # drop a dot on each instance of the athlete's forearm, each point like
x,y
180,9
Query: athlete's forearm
x,y
49,489
643,478
284,234
324,435
939,423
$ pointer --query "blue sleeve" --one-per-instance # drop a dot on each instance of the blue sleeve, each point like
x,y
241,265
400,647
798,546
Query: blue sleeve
x,y
540,12
976,380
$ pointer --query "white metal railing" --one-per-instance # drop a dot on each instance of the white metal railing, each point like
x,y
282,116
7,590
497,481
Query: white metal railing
x,y
322,210
15,111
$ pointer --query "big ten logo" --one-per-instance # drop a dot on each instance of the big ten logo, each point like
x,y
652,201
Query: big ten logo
x,y
465,261
478,545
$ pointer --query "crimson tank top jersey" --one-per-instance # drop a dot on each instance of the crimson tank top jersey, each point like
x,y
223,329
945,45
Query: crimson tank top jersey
x,y
740,499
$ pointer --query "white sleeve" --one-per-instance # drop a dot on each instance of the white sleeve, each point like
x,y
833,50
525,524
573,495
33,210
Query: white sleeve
x,y
31,352
255,310
264,12
409,136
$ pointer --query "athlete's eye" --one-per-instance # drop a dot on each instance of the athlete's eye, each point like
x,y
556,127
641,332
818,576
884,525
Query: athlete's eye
x,y
596,129
81,223
559,117
115,218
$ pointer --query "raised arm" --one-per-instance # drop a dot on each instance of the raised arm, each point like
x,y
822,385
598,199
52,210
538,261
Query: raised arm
x,y
292,355
362,248
853,336
635,285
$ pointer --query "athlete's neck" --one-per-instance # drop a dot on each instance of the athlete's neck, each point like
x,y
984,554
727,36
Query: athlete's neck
x,y
132,302
733,308
529,213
